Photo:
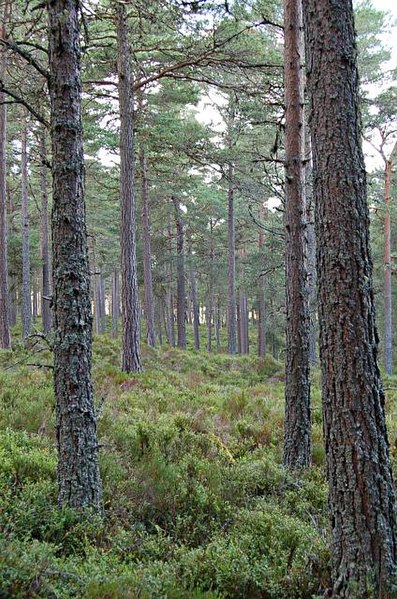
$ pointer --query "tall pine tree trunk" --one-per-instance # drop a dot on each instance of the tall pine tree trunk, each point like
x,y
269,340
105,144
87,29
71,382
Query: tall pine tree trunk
x,y
5,338
26,291
231,289
180,277
297,446
261,301
131,358
387,284
115,302
147,254
361,496
35,296
78,471
196,310
45,244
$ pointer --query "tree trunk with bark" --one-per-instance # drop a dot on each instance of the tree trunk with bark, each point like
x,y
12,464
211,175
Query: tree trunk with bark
x,y
78,471
45,243
361,496
147,254
180,277
231,292
195,303
35,296
26,291
131,359
311,248
261,300
115,302
387,283
297,445
218,324
5,338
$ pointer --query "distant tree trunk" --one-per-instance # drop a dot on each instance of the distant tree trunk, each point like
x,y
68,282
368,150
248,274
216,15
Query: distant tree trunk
x,y
387,285
261,302
147,254
103,303
180,277
131,360
5,338
297,446
45,252
231,296
26,291
243,322
160,320
78,472
210,298
362,500
208,319
115,302
14,300
35,293
99,304
218,324
196,311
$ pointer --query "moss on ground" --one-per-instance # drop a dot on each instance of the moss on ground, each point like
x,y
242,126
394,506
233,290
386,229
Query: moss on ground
x,y
197,504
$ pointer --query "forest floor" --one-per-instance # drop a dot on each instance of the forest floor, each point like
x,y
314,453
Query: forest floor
x,y
196,502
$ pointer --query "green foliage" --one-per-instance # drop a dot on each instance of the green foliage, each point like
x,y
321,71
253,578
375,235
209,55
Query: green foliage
x,y
197,504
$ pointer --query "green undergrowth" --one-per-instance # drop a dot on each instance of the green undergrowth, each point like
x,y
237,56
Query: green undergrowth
x,y
197,505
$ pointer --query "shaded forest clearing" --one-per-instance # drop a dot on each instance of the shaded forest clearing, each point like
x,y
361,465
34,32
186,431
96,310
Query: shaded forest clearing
x,y
196,501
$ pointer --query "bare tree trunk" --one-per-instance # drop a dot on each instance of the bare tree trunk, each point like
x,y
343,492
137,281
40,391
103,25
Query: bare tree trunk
x,y
297,445
180,277
160,320
131,359
387,285
115,302
208,318
231,294
243,322
35,292
26,292
78,471
196,311
218,324
5,338
147,254
45,251
362,500
14,300
99,304
261,302
311,249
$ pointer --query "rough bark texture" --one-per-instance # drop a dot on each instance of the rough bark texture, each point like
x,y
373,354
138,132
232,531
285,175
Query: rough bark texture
x,y
231,273
311,248
26,298
115,302
45,244
5,338
78,471
147,253
387,284
261,302
296,450
180,277
131,359
362,502
218,324
35,294
195,303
